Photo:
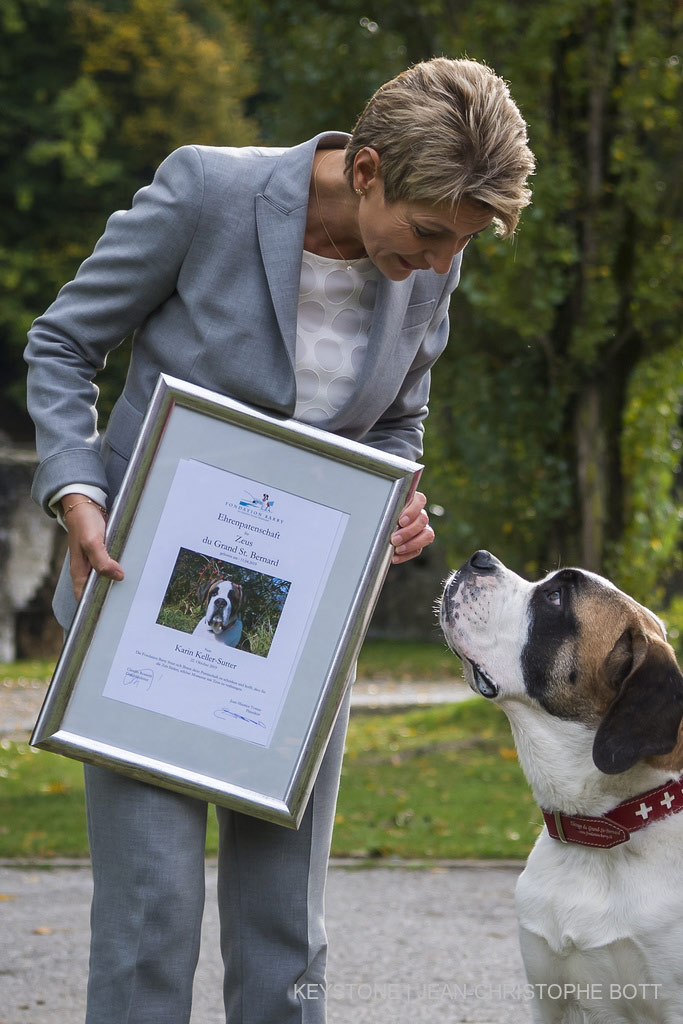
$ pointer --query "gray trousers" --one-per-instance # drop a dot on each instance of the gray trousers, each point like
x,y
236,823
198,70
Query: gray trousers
x,y
147,847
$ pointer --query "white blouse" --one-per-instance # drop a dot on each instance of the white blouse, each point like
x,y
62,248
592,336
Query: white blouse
x,y
335,314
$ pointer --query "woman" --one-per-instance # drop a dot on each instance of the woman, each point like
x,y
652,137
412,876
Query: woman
x,y
314,282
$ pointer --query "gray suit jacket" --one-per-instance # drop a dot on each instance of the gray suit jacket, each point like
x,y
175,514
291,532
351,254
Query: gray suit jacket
x,y
204,269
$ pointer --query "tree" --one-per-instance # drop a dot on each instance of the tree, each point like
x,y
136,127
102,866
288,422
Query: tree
x,y
94,96
317,64
549,332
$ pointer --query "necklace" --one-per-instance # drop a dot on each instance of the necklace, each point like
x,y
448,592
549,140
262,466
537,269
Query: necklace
x,y
349,263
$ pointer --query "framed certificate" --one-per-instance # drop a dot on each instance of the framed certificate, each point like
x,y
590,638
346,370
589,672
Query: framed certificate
x,y
254,548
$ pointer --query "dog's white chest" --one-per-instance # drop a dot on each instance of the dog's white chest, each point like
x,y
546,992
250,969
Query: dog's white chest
x,y
605,928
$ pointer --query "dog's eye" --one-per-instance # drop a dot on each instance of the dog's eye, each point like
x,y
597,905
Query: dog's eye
x,y
554,596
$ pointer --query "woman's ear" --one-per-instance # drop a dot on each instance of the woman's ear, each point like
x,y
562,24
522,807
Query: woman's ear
x,y
366,170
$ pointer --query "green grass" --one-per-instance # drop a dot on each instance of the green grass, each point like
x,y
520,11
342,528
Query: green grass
x,y
440,782
42,811
175,618
407,660
261,637
15,672
41,804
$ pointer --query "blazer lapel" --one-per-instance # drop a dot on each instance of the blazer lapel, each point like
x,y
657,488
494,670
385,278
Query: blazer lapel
x,y
391,303
281,223
281,238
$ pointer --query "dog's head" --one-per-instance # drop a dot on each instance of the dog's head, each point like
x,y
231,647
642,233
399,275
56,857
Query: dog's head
x,y
224,600
576,645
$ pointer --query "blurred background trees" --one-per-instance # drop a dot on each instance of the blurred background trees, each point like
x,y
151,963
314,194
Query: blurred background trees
x,y
555,432
93,96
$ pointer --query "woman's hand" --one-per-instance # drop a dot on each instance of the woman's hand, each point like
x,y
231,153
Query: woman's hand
x,y
85,524
414,532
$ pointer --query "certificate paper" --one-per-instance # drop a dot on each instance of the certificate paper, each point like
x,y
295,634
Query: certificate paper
x,y
218,527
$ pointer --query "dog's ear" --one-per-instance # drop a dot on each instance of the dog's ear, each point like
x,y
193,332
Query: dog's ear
x,y
238,596
644,718
203,591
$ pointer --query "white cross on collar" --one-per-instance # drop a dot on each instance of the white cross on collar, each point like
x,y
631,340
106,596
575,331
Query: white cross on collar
x,y
667,800
644,811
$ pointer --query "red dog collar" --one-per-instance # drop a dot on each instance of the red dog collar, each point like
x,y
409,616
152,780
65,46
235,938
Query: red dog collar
x,y
616,826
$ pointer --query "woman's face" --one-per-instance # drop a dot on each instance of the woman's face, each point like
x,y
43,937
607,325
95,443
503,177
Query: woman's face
x,y
404,236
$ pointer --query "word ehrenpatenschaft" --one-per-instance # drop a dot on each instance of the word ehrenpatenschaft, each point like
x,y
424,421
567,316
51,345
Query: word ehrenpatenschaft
x,y
263,530
594,992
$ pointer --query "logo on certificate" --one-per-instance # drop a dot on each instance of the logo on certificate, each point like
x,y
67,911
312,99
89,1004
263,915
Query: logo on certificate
x,y
263,504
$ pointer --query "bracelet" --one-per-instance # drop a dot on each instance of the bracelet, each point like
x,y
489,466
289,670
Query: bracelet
x,y
86,501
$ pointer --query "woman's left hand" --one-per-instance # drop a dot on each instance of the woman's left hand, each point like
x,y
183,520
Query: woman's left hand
x,y
414,532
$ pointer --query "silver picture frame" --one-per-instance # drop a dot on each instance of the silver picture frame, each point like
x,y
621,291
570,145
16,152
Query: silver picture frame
x,y
287,524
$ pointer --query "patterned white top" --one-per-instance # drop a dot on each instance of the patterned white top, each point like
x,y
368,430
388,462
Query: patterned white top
x,y
335,314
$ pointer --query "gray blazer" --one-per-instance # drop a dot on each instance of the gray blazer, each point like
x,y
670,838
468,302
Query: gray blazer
x,y
204,270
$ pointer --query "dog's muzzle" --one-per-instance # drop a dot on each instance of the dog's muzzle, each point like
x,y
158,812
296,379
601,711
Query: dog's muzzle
x,y
220,615
481,564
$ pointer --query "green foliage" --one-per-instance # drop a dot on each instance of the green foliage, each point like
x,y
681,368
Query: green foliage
x,y
489,457
318,67
673,620
649,549
163,78
94,96
260,636
584,295
19,673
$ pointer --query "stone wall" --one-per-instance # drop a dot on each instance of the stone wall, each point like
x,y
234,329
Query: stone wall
x,y
31,551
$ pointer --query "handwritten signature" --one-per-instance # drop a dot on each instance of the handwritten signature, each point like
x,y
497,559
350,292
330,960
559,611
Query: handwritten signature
x,y
137,676
227,713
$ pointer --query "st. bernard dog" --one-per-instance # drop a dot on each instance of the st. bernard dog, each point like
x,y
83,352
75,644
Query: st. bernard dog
x,y
595,701
222,620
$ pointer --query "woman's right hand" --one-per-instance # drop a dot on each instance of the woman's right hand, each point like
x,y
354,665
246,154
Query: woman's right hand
x,y
85,525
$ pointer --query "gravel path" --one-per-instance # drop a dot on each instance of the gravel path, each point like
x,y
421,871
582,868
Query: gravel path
x,y
407,946
20,702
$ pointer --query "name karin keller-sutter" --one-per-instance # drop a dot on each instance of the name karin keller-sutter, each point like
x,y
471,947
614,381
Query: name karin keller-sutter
x,y
202,656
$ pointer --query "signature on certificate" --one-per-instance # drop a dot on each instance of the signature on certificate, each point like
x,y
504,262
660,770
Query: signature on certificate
x,y
227,713
139,677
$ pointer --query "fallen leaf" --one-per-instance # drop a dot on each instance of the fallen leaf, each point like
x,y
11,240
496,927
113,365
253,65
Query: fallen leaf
x,y
42,930
54,787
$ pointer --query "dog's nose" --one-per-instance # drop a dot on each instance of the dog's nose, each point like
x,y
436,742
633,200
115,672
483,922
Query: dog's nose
x,y
220,602
484,561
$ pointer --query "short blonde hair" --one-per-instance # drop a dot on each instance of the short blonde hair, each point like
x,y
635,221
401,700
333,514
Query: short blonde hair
x,y
446,130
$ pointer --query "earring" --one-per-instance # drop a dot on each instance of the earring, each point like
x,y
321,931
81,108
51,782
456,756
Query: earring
x,y
360,191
